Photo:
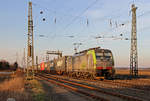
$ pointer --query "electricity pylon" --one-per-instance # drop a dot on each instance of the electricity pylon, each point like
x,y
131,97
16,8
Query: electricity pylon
x,y
30,54
134,54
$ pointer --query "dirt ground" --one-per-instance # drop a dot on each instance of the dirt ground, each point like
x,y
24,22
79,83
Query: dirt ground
x,y
57,93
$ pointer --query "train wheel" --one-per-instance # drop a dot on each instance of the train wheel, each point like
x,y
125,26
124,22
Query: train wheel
x,y
70,75
85,75
109,76
77,74
92,77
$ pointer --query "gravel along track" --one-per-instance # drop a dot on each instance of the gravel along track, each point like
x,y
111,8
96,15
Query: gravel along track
x,y
57,93
142,84
126,89
96,91
112,87
96,98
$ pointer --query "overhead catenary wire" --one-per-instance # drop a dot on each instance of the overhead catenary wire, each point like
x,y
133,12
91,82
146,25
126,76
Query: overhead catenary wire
x,y
54,11
75,17
124,23
79,16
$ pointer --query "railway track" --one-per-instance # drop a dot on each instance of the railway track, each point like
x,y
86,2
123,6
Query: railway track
x,y
129,85
72,88
78,86
123,84
121,87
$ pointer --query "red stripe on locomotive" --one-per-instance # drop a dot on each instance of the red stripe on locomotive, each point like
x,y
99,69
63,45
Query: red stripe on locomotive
x,y
103,68
42,66
108,67
99,67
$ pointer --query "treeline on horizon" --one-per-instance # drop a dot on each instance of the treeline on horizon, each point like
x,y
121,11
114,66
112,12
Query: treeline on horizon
x,y
5,65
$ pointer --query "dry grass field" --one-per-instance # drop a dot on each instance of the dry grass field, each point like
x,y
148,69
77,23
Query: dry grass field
x,y
143,79
16,87
13,86
125,74
127,71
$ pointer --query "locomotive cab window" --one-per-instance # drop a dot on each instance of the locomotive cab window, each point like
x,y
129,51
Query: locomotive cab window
x,y
103,55
107,55
99,56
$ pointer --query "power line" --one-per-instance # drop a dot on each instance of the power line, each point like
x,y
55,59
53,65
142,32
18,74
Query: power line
x,y
125,23
76,17
80,14
54,12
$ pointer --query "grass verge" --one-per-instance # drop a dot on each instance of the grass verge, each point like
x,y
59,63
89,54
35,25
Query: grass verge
x,y
14,88
35,87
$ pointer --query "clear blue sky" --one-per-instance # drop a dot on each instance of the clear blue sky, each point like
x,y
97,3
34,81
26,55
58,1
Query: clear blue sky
x,y
71,18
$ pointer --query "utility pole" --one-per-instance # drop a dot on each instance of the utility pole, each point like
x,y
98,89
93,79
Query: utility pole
x,y
134,54
30,49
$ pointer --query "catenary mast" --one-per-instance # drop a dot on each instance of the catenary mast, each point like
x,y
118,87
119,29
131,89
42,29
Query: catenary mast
x,y
30,45
134,54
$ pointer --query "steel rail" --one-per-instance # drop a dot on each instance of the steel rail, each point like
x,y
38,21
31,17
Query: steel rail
x,y
74,89
129,98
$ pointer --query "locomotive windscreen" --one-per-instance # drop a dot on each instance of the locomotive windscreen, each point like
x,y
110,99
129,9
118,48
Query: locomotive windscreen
x,y
104,59
107,55
103,55
99,56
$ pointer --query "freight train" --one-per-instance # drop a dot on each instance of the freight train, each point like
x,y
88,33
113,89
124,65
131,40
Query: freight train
x,y
93,63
